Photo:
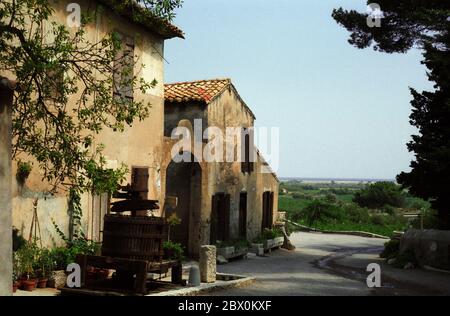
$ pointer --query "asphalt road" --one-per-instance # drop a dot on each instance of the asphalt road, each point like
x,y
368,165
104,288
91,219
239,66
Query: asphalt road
x,y
326,264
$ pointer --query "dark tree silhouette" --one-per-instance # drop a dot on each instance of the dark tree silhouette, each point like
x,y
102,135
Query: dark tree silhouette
x,y
425,25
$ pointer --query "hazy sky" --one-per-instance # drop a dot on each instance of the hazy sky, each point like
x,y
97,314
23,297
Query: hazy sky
x,y
342,112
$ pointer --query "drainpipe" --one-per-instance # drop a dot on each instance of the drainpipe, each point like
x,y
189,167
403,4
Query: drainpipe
x,y
6,270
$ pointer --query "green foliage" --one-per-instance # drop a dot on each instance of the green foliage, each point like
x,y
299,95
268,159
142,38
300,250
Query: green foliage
x,y
342,214
319,210
391,249
356,214
377,219
427,27
379,194
17,268
402,28
330,198
28,256
104,180
18,240
173,220
173,251
430,220
66,96
62,256
23,171
44,263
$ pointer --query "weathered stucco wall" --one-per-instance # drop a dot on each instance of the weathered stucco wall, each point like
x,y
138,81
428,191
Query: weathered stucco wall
x,y
228,110
139,145
5,191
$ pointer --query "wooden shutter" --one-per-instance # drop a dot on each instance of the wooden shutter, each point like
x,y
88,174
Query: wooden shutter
x,y
213,224
124,68
220,218
243,215
267,214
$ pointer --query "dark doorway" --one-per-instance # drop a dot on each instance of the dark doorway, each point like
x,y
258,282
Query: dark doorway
x,y
220,218
183,181
267,215
243,215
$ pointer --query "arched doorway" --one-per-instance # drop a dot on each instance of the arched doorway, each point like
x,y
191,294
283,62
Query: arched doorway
x,y
183,181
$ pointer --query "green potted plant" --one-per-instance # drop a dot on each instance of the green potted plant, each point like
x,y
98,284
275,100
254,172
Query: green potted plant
x,y
173,251
44,267
173,220
16,272
27,256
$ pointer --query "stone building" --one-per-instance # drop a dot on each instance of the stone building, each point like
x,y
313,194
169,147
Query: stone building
x,y
216,200
138,146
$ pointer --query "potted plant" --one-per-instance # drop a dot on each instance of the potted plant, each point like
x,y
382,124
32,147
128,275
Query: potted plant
x,y
173,220
27,256
173,250
16,272
59,258
44,267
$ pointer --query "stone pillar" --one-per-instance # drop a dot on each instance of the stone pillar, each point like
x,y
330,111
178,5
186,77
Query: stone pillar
x,y
207,262
6,94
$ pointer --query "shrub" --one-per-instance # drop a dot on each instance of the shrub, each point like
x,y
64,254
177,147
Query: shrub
x,y
330,198
389,210
377,219
380,194
18,240
357,214
319,210
23,171
27,256
173,250
430,220
301,196
391,249
407,256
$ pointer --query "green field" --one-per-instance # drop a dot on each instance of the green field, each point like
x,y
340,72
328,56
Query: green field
x,y
338,212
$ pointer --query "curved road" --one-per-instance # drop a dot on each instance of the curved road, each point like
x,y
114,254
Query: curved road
x,y
322,264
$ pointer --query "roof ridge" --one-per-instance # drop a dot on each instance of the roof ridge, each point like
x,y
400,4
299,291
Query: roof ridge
x,y
198,81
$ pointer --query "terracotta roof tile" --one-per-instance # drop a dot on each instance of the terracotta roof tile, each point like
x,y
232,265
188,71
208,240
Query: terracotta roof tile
x,y
202,90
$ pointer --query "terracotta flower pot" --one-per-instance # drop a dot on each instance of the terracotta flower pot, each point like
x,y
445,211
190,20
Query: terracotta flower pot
x,y
42,283
16,285
29,285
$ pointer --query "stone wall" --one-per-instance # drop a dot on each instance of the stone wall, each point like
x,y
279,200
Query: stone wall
x,y
227,110
430,247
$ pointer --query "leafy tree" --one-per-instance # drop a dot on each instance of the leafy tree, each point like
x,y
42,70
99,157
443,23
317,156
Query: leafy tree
x,y
425,25
66,86
379,194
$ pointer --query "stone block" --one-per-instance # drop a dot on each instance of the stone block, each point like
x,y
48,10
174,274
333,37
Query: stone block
x,y
269,244
226,252
257,249
278,241
208,265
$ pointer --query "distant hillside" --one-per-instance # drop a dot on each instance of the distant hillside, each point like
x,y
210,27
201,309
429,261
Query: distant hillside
x,y
365,180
